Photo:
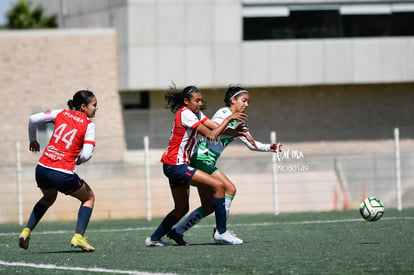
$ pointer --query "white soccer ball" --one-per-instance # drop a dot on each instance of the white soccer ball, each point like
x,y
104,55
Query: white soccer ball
x,y
371,209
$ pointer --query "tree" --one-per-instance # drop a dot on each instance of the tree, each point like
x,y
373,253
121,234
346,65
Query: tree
x,y
22,16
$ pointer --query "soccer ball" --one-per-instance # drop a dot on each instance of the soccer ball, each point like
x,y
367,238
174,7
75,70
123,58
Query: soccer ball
x,y
371,209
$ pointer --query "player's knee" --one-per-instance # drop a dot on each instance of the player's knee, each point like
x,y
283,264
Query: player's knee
x,y
219,189
231,189
91,196
48,201
219,185
89,192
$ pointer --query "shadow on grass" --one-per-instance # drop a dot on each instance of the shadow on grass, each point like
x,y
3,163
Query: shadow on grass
x,y
61,252
370,243
206,244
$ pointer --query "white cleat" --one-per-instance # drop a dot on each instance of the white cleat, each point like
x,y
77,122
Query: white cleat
x,y
226,238
151,243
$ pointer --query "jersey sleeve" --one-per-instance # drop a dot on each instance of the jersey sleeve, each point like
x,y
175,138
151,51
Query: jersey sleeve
x,y
221,115
189,119
86,153
260,146
88,144
90,134
42,117
203,117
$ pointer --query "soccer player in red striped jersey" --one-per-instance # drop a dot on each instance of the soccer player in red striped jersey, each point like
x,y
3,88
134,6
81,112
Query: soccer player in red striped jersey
x,y
207,153
72,142
190,121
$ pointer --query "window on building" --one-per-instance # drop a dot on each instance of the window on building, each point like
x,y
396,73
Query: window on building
x,y
402,23
135,112
301,21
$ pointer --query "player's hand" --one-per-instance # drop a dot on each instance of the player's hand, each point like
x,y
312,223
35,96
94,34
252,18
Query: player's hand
x,y
77,162
276,147
242,127
34,146
239,116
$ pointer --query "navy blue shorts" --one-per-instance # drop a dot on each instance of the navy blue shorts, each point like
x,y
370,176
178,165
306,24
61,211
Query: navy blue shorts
x,y
51,179
179,175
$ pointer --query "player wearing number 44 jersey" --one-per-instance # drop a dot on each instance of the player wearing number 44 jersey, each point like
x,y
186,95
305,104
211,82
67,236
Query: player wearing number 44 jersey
x,y
72,142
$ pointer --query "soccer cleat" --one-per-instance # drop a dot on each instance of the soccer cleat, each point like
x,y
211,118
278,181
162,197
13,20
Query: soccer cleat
x,y
151,243
226,238
24,238
230,231
82,242
173,235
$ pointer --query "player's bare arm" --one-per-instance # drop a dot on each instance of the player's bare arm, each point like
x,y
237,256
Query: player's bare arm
x,y
213,134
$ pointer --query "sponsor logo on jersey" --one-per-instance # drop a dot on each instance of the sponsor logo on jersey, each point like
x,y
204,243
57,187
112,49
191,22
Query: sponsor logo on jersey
x,y
52,149
52,156
78,119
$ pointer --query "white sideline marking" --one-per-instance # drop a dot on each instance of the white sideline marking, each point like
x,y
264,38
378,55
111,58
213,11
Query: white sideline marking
x,y
76,268
209,225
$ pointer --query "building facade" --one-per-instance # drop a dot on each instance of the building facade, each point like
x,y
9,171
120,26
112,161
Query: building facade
x,y
300,59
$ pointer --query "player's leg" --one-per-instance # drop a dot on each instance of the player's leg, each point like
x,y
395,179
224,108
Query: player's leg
x,y
230,190
201,178
179,177
206,197
206,208
181,205
45,181
87,197
40,208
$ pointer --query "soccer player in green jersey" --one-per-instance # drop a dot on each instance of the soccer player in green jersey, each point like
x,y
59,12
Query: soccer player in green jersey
x,y
207,152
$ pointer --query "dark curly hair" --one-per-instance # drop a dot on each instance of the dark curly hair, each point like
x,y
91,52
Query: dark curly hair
x,y
175,98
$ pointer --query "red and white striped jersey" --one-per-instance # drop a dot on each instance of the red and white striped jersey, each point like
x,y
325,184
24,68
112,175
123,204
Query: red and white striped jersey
x,y
183,136
72,130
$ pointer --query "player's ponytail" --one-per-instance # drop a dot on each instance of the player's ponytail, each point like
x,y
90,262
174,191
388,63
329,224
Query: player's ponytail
x,y
79,98
233,91
175,98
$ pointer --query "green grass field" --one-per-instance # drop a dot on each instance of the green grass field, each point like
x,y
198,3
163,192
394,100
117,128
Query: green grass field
x,y
300,243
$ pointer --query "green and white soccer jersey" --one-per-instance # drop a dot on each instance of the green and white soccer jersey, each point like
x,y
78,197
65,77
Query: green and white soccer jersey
x,y
208,151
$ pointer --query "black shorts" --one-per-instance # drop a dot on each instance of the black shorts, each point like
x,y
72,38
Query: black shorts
x,y
179,175
51,179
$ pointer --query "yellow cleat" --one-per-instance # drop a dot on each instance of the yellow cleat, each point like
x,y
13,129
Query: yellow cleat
x,y
24,238
82,242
